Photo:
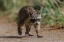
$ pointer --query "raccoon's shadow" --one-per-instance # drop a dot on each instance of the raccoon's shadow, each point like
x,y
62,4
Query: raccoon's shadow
x,y
12,36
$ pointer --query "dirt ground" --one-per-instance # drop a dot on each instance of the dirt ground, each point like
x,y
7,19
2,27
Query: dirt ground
x,y
8,33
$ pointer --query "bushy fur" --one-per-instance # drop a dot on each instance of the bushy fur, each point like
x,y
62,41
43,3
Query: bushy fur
x,y
27,16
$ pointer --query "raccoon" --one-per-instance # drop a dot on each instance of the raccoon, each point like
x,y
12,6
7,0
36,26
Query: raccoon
x,y
28,16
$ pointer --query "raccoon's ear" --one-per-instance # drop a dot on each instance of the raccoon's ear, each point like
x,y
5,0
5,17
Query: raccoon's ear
x,y
30,13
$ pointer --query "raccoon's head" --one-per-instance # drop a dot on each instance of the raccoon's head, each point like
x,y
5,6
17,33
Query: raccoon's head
x,y
35,17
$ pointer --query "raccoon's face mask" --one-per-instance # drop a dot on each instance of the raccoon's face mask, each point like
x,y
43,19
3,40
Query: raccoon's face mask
x,y
35,17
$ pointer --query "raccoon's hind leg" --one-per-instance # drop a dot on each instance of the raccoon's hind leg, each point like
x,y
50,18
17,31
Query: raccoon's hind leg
x,y
19,30
27,31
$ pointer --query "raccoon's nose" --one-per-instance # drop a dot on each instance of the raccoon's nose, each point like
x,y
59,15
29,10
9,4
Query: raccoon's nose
x,y
36,23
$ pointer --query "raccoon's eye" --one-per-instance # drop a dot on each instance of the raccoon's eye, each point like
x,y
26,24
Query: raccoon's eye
x,y
38,19
32,20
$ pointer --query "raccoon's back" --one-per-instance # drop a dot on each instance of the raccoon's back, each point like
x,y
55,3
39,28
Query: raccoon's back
x,y
23,15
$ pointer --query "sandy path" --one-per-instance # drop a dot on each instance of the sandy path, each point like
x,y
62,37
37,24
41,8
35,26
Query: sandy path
x,y
8,33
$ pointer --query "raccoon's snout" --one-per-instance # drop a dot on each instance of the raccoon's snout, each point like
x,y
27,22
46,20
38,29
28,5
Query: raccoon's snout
x,y
37,23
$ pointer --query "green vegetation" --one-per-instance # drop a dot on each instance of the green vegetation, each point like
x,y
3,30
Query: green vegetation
x,y
52,14
51,10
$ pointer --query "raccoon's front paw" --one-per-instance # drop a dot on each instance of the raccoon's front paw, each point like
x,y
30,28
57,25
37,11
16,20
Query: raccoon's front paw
x,y
19,32
30,35
39,36
27,34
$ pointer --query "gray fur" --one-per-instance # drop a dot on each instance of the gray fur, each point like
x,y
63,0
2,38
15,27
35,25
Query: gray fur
x,y
28,17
